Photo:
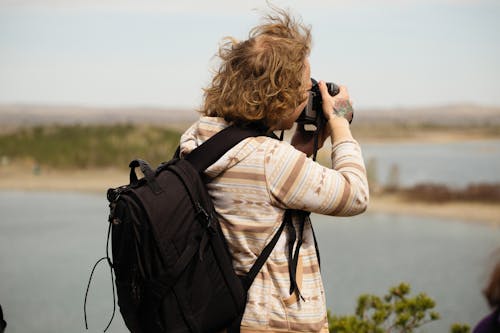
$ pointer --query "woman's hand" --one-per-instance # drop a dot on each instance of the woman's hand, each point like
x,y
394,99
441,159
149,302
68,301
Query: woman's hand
x,y
338,110
339,105
304,140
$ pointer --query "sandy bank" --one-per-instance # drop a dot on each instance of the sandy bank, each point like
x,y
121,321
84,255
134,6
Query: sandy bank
x,y
19,178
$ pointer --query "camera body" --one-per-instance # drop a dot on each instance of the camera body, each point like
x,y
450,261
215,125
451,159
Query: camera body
x,y
313,112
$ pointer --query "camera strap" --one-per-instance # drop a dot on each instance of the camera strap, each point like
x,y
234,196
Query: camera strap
x,y
320,123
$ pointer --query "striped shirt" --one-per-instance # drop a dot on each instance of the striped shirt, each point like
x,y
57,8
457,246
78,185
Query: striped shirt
x,y
251,186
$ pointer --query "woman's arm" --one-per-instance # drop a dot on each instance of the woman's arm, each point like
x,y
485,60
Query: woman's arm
x,y
297,182
300,183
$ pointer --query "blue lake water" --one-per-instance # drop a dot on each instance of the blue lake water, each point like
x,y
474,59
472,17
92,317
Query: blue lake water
x,y
455,164
49,242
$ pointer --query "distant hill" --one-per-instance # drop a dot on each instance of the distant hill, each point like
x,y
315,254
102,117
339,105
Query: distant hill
x,y
30,115
441,115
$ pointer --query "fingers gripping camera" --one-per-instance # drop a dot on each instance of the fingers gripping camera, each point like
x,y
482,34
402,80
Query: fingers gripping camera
x,y
313,114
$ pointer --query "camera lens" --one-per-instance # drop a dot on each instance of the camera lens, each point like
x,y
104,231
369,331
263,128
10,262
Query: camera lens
x,y
333,89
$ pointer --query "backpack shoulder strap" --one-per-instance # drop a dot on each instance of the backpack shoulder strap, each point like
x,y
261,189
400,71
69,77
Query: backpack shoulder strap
x,y
248,279
215,147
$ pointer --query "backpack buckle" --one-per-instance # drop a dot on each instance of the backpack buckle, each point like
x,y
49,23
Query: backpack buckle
x,y
207,218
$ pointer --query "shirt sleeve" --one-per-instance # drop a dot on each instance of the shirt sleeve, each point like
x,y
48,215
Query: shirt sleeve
x,y
297,182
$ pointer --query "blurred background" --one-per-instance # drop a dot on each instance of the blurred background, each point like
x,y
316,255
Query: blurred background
x,y
87,85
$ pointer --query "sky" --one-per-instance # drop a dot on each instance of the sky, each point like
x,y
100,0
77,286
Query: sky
x,y
159,53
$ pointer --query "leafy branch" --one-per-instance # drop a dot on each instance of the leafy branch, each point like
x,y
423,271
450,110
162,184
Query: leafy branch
x,y
396,312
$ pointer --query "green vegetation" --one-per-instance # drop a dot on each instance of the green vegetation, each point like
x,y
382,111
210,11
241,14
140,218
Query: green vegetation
x,y
395,312
89,146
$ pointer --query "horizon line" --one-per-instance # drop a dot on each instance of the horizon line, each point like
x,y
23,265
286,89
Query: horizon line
x,y
194,108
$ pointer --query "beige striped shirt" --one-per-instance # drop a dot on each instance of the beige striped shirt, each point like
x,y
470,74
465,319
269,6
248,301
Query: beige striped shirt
x,y
252,185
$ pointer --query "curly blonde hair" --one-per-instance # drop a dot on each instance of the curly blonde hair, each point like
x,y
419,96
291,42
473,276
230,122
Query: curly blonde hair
x,y
261,80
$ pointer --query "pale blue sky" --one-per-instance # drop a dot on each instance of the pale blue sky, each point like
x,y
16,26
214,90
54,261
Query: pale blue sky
x,y
158,53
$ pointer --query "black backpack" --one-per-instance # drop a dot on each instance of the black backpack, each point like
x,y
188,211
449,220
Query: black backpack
x,y
173,270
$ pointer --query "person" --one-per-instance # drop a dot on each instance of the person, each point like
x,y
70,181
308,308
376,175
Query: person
x,y
491,323
263,82
3,323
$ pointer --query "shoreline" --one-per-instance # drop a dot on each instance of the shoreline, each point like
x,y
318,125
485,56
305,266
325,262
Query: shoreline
x,y
99,180
460,211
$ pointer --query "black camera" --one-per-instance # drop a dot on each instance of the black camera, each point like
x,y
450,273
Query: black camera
x,y
313,112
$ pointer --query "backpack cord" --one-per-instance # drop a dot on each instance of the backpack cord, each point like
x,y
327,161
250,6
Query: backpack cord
x,y
112,284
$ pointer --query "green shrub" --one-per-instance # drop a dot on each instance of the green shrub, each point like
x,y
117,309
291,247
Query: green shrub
x,y
396,312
